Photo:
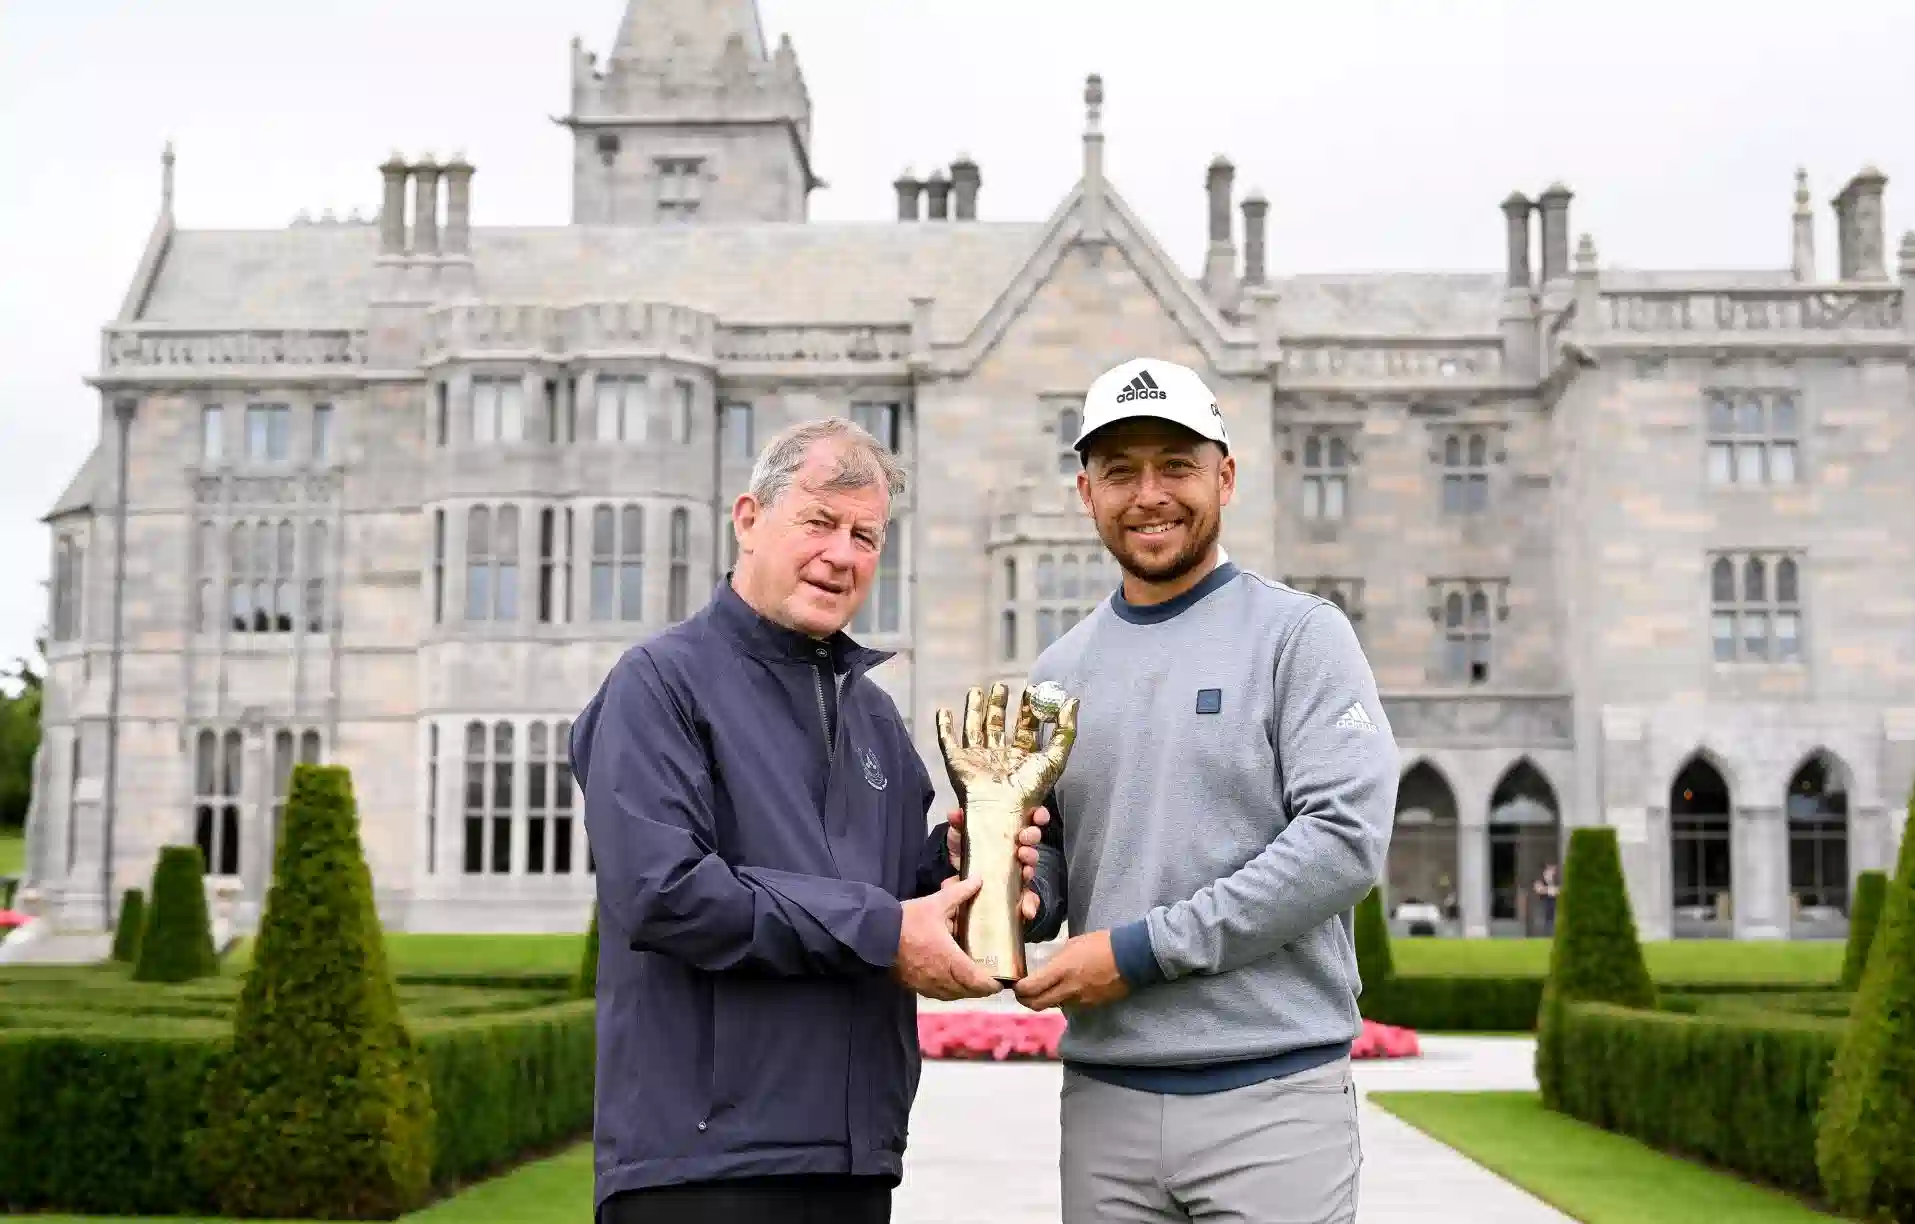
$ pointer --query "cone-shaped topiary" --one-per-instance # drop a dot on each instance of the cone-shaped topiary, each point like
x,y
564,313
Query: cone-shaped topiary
x,y
132,924
321,1108
1865,1136
1864,914
586,984
1375,962
177,942
1595,956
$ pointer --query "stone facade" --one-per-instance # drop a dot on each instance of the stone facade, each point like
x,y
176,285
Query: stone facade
x,y
1622,547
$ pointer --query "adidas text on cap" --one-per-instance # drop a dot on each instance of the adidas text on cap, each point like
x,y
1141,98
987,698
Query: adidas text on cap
x,y
1147,387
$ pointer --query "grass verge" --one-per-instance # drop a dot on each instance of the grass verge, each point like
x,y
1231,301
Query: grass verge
x,y
1584,1171
1688,960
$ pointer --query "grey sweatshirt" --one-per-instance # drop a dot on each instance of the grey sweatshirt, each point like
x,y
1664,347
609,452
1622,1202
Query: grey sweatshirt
x,y
1227,803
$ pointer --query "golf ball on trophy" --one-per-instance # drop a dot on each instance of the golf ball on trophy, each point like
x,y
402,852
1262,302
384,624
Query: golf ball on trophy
x,y
1047,699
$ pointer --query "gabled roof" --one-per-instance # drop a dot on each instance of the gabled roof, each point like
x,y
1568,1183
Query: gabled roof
x,y
85,490
1115,223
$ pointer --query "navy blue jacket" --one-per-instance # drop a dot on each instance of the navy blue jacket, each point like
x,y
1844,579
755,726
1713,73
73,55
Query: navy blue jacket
x,y
750,886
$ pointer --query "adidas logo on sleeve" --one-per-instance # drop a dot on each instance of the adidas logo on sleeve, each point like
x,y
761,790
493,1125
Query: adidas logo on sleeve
x,y
1356,718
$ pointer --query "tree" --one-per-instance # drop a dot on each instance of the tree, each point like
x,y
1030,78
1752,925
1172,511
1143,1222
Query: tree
x,y
1375,962
132,925
321,1107
1863,1145
1864,914
19,741
177,944
1595,956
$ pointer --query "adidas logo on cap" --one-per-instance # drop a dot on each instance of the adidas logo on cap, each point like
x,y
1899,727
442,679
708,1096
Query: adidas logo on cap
x,y
1141,387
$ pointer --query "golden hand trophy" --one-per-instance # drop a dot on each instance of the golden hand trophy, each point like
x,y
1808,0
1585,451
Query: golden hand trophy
x,y
999,785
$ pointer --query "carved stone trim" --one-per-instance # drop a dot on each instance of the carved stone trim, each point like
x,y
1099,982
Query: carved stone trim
x,y
1753,310
169,349
1487,721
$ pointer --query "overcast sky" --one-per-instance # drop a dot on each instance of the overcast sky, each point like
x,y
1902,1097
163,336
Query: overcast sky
x,y
1383,133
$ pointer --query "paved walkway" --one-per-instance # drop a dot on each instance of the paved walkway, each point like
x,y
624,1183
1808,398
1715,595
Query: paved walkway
x,y
984,1143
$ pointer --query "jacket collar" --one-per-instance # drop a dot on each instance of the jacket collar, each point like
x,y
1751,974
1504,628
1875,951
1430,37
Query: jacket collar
x,y
775,643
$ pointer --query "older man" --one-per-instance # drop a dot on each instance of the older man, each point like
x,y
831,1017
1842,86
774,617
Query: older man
x,y
1229,799
769,896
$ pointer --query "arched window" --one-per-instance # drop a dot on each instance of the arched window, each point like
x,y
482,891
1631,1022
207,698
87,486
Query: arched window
x,y
1700,857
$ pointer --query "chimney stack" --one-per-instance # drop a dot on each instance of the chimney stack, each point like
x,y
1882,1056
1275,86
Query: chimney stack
x,y
392,212
1554,205
1859,228
1220,263
1516,210
908,190
937,197
965,181
425,207
458,234
1255,208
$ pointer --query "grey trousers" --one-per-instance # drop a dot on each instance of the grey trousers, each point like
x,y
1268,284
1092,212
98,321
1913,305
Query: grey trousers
x,y
1281,1152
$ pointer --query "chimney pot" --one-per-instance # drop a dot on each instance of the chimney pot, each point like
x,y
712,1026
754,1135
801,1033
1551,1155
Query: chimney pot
x,y
392,213
1554,204
908,190
425,207
458,231
1218,181
965,180
937,196
1516,209
1255,208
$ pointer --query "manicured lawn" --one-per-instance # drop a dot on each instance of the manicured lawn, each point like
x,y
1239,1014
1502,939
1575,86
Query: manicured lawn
x,y
13,853
557,1190
1586,1172
1689,960
464,953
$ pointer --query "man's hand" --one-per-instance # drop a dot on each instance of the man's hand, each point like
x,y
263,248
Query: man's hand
x,y
1027,840
1083,973
929,959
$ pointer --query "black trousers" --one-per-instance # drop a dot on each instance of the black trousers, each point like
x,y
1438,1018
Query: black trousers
x,y
756,1200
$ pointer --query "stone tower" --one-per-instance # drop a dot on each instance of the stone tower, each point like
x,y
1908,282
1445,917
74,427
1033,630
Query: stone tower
x,y
690,120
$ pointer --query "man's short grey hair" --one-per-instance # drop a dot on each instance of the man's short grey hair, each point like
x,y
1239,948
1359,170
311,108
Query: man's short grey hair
x,y
862,460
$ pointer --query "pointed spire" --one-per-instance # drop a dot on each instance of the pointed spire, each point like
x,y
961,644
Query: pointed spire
x,y
1094,157
694,32
166,181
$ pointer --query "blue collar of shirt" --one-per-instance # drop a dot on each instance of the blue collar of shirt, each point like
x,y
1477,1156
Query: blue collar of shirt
x,y
770,640
1158,613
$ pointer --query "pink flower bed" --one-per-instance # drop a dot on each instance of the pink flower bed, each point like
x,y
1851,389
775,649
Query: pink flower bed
x,y
1003,1034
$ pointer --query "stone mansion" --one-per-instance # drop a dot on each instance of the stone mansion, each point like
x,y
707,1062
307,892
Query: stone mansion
x,y
1624,547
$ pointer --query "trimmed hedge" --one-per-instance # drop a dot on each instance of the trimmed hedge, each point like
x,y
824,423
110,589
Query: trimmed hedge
x,y
1738,1091
1866,1145
1595,955
320,1107
585,986
1454,1004
1375,962
177,945
1870,887
96,1122
132,925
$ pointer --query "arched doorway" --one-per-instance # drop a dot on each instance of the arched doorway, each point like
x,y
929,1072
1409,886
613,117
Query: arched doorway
x,y
1525,847
1423,855
1701,861
1817,810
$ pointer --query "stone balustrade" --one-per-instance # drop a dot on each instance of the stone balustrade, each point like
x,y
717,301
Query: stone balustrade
x,y
1392,360
1809,309
175,349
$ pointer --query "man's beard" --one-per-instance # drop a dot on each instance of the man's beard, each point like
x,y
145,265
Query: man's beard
x,y
1202,537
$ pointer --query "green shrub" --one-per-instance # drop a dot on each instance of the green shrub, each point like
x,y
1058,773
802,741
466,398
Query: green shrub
x,y
126,936
1864,914
177,944
1454,1004
321,1108
1737,1090
1865,1145
586,987
96,1121
1595,956
1374,962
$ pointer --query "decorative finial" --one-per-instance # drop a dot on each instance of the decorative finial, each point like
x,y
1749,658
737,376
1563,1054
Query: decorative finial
x,y
166,179
1802,189
1586,254
1093,101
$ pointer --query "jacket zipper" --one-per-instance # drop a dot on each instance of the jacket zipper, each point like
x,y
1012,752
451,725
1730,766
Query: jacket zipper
x,y
824,716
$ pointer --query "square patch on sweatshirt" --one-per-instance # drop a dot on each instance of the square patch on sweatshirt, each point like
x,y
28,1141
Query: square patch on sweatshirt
x,y
1209,701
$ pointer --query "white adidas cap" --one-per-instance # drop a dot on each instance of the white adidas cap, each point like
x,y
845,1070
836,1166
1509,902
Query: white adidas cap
x,y
1148,387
